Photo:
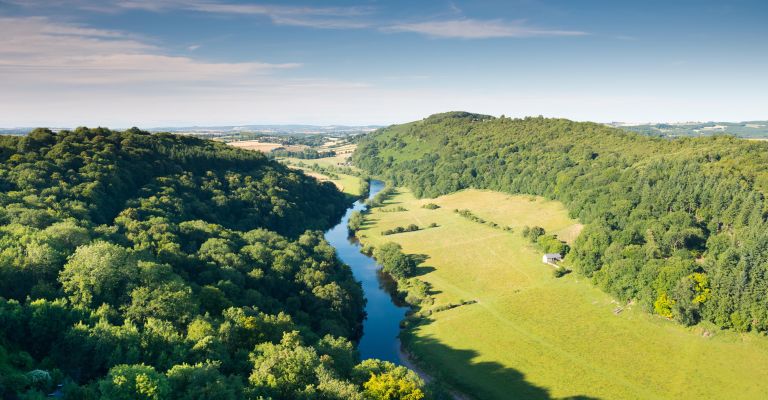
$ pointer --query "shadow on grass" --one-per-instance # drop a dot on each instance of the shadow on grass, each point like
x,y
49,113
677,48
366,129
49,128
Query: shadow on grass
x,y
368,222
422,270
487,380
419,258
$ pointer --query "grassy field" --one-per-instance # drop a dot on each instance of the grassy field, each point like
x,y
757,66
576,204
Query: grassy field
x,y
325,161
346,183
534,336
265,147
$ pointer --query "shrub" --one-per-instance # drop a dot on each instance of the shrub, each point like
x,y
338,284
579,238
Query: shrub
x,y
558,272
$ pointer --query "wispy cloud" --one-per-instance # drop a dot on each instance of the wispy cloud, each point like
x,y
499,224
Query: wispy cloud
x,y
38,50
478,29
305,16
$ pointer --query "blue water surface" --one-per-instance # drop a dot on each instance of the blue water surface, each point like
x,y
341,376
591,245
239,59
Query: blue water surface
x,y
382,324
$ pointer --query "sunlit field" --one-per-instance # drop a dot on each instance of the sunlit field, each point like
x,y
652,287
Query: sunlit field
x,y
346,183
532,335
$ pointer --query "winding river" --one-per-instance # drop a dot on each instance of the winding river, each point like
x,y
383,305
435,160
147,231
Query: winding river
x,y
382,324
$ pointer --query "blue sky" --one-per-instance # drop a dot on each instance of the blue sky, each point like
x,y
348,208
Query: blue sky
x,y
184,62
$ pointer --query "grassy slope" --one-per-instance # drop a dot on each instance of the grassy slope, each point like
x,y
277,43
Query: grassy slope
x,y
535,336
346,183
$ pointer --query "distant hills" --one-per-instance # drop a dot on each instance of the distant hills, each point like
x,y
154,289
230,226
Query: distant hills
x,y
228,130
746,129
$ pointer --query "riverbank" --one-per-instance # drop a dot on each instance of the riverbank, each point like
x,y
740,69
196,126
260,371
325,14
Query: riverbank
x,y
408,362
381,327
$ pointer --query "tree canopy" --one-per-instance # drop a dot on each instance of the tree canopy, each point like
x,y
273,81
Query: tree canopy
x,y
156,266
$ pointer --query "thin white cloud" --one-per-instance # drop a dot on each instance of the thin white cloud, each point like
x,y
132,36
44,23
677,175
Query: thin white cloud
x,y
313,17
304,16
478,29
38,50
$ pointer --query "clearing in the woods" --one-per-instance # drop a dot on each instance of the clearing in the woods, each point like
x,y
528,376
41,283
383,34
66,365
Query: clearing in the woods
x,y
531,335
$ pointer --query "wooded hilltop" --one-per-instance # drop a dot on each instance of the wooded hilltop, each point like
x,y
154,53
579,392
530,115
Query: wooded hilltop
x,y
677,225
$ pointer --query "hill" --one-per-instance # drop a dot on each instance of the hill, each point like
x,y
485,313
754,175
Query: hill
x,y
677,225
140,266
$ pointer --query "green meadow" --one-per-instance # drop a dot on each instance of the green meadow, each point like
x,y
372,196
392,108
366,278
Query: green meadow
x,y
531,335
348,184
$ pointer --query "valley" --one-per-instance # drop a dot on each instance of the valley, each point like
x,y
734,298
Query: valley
x,y
383,200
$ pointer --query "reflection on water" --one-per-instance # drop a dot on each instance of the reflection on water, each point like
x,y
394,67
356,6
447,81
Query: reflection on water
x,y
382,325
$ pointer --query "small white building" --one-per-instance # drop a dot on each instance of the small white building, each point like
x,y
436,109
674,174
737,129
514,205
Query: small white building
x,y
551,258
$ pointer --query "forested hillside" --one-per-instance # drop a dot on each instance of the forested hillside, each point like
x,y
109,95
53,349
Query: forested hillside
x,y
678,225
138,266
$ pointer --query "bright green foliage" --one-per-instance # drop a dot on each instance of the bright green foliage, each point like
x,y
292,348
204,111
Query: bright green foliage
x,y
150,266
388,387
100,273
386,381
645,200
355,221
393,261
202,381
700,287
172,301
663,305
551,244
134,382
285,370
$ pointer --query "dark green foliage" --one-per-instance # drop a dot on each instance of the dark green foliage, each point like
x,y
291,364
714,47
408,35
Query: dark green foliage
x,y
474,218
365,186
430,206
533,233
560,272
306,154
551,244
381,197
657,210
143,266
394,209
401,229
546,243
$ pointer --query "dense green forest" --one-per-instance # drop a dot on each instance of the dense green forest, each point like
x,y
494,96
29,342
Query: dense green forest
x,y
677,225
138,266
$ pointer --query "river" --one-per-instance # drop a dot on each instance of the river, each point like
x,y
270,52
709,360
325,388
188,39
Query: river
x,y
382,324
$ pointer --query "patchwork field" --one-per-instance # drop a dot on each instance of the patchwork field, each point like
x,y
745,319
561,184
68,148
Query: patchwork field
x,y
346,183
534,336
349,184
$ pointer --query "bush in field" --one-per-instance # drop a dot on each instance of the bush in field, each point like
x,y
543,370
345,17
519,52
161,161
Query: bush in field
x,y
560,271
400,229
393,261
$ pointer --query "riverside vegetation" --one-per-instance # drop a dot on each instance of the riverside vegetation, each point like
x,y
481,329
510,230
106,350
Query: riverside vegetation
x,y
139,266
